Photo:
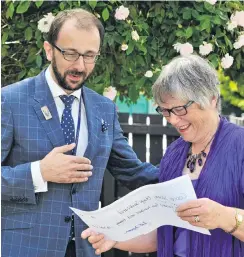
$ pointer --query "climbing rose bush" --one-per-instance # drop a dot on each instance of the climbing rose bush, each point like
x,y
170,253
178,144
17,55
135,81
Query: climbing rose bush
x,y
140,36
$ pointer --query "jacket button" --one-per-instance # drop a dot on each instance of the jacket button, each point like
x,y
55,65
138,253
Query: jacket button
x,y
67,219
73,191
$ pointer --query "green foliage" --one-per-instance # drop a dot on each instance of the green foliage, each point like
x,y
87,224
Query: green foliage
x,y
231,92
159,25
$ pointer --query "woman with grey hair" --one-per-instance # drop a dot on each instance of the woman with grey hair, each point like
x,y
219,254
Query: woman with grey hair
x,y
211,151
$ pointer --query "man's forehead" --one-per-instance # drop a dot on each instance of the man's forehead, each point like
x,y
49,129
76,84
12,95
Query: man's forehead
x,y
78,38
74,24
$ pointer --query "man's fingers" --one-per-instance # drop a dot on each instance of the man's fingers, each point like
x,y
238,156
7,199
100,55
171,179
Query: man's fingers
x,y
103,246
75,159
100,247
81,160
83,174
96,240
98,252
78,180
86,233
75,177
64,148
72,180
80,174
81,167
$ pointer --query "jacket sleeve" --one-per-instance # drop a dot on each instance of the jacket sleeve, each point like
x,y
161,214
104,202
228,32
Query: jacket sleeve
x,y
17,185
124,165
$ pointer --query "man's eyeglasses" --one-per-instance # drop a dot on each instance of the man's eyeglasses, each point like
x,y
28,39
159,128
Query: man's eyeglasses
x,y
72,55
178,110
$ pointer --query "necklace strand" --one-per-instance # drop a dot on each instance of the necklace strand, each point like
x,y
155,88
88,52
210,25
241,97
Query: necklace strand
x,y
194,159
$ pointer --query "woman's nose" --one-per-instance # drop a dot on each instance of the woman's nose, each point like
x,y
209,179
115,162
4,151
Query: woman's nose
x,y
173,119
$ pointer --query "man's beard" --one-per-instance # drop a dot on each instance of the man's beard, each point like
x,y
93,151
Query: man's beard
x,y
61,79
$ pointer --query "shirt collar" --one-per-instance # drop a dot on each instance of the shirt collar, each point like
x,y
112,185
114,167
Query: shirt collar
x,y
56,90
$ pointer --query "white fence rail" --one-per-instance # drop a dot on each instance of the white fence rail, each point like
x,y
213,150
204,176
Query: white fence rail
x,y
237,120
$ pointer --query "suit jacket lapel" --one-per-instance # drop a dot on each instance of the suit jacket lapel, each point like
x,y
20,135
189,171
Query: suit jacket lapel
x,y
93,122
43,97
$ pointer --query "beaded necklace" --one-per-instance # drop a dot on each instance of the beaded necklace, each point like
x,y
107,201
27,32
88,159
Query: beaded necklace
x,y
194,159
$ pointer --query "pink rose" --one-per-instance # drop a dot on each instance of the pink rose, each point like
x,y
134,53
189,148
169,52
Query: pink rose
x,y
135,35
238,18
240,42
124,47
44,24
231,25
184,49
212,2
205,48
110,92
121,13
148,74
227,61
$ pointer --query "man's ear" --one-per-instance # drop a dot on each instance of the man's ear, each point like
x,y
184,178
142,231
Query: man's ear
x,y
49,50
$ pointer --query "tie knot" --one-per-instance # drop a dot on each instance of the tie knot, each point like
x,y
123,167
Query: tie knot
x,y
67,100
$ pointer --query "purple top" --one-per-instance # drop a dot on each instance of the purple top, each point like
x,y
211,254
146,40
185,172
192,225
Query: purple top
x,y
221,179
180,237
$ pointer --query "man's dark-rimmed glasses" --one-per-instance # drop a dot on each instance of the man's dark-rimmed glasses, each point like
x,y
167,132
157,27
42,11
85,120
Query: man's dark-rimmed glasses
x,y
178,110
72,55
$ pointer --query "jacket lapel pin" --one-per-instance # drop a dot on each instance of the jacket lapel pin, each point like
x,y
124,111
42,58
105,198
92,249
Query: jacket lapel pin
x,y
46,113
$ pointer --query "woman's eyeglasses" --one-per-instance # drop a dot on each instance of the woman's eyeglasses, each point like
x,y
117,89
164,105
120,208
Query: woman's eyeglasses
x,y
178,110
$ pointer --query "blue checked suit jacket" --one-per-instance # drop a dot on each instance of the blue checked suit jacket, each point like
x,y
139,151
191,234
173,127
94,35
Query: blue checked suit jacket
x,y
34,224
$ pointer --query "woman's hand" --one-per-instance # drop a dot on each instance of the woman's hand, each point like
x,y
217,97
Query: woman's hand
x,y
208,214
98,241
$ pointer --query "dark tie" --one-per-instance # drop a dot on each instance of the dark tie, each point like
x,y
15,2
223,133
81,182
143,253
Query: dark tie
x,y
68,127
67,122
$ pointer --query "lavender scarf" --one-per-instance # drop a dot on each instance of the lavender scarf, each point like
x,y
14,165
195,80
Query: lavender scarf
x,y
221,179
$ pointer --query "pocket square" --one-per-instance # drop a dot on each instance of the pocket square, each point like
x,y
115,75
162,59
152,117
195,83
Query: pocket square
x,y
104,125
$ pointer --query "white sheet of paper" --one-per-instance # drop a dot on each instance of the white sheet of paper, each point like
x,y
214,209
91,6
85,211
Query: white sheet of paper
x,y
143,210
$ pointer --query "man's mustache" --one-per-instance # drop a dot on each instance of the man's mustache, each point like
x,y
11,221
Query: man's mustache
x,y
75,73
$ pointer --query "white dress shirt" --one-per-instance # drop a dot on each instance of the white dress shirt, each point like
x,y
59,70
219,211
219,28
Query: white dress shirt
x,y
39,184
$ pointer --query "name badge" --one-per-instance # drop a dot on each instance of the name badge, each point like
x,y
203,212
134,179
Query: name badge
x,y
46,113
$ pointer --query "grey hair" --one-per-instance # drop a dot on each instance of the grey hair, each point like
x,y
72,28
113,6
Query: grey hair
x,y
189,78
